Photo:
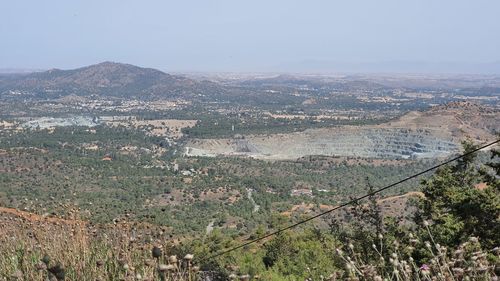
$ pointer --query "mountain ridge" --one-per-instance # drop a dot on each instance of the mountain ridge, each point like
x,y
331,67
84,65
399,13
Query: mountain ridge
x,y
106,79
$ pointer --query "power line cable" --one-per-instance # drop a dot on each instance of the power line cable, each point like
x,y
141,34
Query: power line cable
x,y
349,202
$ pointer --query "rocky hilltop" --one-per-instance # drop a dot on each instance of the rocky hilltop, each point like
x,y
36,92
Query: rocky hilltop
x,y
455,120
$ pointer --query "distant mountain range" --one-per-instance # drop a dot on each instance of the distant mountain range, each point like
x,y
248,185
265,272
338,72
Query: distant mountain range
x,y
394,67
19,70
118,80
106,79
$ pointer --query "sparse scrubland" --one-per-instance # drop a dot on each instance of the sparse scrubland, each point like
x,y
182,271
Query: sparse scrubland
x,y
104,176
454,234
44,172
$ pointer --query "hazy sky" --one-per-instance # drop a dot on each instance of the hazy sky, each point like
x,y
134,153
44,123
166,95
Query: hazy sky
x,y
251,35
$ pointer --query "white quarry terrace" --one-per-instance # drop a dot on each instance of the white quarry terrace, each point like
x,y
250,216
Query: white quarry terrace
x,y
393,143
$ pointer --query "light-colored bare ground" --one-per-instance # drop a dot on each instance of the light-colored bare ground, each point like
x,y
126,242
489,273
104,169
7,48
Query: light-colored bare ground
x,y
160,127
390,206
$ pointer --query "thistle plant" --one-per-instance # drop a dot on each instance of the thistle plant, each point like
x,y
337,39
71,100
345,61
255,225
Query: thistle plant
x,y
467,262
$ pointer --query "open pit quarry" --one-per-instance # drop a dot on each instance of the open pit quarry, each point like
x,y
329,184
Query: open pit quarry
x,y
430,134
353,142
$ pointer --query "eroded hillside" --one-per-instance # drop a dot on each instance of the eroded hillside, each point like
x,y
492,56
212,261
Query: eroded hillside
x,y
433,133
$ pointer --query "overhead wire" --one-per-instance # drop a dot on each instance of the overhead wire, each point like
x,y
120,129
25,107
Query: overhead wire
x,y
224,252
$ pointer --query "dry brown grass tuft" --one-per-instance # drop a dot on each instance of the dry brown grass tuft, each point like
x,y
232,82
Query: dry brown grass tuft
x,y
36,248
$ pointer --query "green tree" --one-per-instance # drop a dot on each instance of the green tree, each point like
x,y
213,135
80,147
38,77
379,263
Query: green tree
x,y
463,200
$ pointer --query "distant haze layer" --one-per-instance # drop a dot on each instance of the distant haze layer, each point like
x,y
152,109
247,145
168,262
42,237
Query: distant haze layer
x,y
448,36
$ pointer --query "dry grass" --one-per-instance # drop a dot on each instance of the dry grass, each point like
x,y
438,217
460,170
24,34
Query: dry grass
x,y
160,127
37,248
33,248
